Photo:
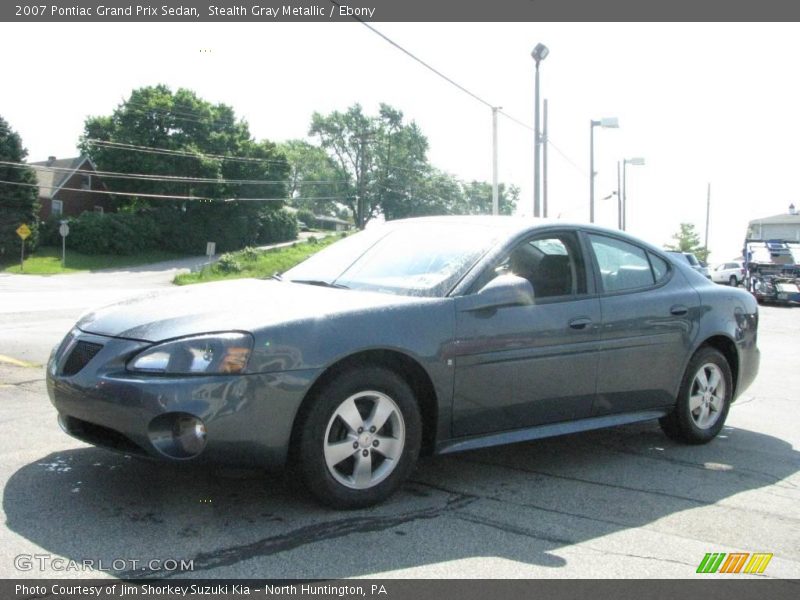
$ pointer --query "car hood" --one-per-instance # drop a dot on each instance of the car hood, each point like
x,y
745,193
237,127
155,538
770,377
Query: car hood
x,y
240,305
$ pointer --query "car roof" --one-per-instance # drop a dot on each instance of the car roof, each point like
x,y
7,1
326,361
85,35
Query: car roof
x,y
514,225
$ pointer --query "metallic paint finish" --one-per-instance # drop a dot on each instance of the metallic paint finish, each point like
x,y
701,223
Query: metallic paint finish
x,y
499,375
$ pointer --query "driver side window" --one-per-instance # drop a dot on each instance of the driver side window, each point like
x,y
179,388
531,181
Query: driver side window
x,y
551,262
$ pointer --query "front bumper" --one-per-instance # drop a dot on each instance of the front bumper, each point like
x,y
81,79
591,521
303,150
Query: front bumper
x,y
248,418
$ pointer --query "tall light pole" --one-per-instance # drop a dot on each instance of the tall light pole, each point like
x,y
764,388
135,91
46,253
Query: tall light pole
x,y
636,162
708,215
544,159
539,53
609,123
495,191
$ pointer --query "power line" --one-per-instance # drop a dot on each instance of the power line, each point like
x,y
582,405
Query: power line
x,y
165,151
515,120
153,196
174,197
567,158
160,177
169,152
462,88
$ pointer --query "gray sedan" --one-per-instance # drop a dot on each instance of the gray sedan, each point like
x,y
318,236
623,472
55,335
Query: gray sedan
x,y
428,336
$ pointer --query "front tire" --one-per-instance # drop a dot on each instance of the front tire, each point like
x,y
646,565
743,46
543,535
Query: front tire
x,y
360,438
733,282
703,401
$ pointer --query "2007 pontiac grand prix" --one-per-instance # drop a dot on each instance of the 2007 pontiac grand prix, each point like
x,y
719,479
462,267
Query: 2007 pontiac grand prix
x,y
429,335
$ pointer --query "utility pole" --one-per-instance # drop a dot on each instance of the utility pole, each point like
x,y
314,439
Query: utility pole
x,y
619,198
708,212
544,159
591,170
495,190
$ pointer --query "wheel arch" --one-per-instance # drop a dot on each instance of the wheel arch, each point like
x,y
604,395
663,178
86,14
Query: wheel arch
x,y
401,363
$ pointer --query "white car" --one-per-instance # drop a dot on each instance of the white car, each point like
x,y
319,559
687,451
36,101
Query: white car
x,y
731,273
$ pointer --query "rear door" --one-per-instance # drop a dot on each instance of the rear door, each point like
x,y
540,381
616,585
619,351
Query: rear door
x,y
649,319
520,366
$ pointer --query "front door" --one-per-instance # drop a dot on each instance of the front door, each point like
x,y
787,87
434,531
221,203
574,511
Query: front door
x,y
520,366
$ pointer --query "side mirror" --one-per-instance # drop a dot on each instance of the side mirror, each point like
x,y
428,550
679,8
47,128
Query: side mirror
x,y
504,290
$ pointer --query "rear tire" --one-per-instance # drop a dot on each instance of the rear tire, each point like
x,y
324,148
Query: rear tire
x,y
703,401
360,438
733,282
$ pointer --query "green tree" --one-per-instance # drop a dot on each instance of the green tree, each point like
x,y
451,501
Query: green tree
x,y
477,199
688,240
315,182
381,158
19,194
194,140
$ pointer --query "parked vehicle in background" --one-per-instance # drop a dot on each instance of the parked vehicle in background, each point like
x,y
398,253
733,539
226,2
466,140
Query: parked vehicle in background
x,y
731,273
693,262
773,270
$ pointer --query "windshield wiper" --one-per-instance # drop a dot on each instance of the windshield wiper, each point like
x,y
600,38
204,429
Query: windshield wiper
x,y
320,283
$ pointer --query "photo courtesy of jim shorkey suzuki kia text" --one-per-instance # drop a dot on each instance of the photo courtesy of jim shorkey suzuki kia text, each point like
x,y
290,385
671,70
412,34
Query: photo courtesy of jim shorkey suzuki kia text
x,y
239,10
123,590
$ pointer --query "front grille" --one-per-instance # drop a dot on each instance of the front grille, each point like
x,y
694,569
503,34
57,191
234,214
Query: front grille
x,y
81,354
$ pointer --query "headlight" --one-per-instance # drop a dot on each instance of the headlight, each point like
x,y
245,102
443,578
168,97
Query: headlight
x,y
225,353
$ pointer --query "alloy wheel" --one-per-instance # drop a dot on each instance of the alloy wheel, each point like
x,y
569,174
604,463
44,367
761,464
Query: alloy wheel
x,y
364,440
707,396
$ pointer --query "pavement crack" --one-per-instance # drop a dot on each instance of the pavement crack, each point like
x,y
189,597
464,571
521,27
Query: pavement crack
x,y
21,383
308,534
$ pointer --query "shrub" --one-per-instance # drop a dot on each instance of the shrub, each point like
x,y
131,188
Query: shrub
x,y
249,254
276,226
227,263
307,217
112,233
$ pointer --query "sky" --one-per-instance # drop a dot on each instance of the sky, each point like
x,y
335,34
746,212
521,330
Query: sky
x,y
702,103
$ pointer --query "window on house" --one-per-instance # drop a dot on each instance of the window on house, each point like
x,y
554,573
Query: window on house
x,y
57,208
86,182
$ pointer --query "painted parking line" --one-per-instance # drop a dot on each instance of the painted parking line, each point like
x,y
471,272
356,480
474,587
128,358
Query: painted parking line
x,y
17,362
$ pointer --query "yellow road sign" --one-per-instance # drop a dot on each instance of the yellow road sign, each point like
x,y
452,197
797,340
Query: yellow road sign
x,y
23,231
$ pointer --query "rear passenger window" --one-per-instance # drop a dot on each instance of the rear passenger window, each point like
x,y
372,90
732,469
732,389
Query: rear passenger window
x,y
660,267
623,266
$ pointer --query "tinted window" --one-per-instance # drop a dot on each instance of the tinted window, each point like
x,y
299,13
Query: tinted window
x,y
552,263
623,266
660,266
412,259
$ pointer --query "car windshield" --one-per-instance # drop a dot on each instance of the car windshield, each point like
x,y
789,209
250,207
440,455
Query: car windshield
x,y
420,259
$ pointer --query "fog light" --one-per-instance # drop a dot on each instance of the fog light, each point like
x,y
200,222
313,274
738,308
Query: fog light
x,y
178,435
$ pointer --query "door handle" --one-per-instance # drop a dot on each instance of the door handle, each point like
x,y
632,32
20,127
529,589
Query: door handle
x,y
678,310
580,323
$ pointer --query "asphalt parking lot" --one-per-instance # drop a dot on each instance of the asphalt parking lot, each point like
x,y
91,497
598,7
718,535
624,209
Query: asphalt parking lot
x,y
624,502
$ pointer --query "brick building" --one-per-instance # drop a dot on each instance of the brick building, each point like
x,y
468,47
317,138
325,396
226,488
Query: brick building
x,y
70,186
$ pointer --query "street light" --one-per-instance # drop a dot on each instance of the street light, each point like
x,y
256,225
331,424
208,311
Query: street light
x,y
539,53
636,162
608,123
